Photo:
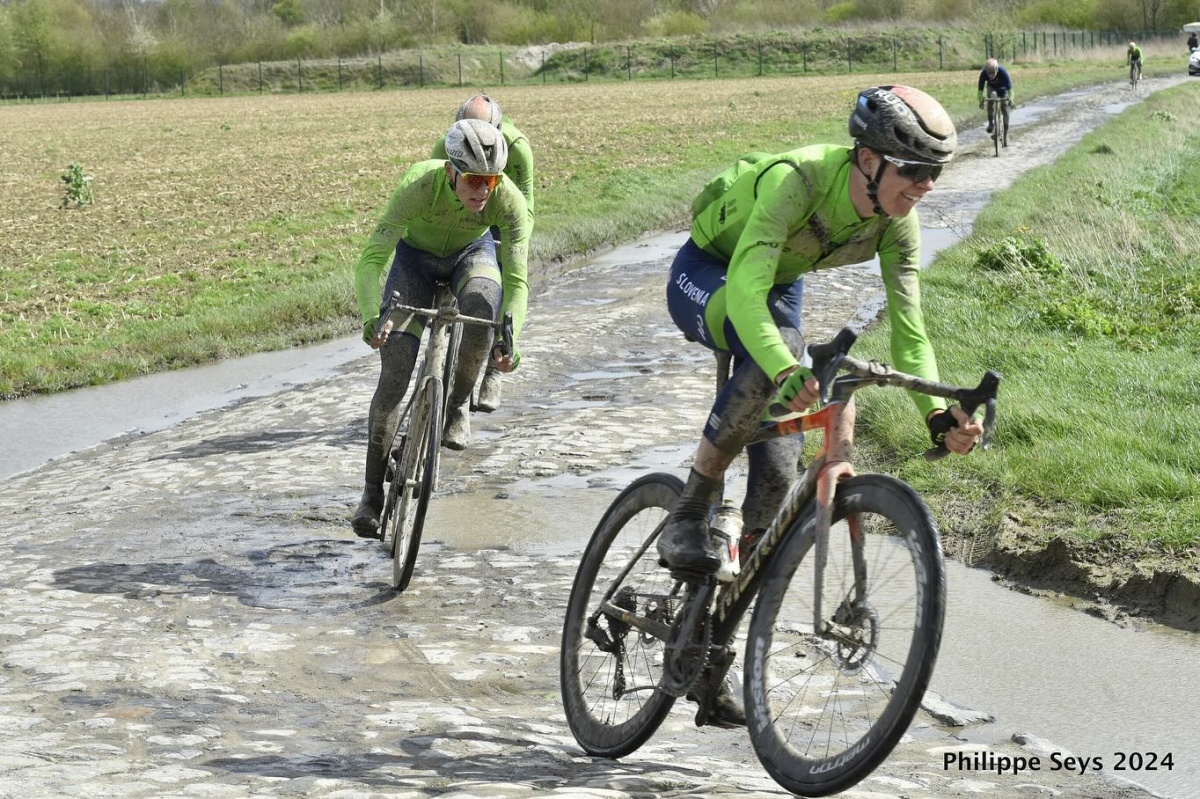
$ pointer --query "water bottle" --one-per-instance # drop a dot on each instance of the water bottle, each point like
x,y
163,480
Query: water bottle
x,y
725,528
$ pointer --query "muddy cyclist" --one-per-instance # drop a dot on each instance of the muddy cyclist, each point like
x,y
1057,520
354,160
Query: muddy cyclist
x,y
436,227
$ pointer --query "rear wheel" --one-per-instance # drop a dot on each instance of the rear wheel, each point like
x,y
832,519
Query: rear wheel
x,y
415,476
611,671
824,709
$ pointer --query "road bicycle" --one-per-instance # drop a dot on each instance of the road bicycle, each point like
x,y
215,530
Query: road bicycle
x,y
837,655
415,455
998,111
1135,74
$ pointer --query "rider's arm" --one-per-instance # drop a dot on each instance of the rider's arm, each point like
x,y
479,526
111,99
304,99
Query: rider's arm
x,y
506,210
439,149
520,162
782,199
899,261
982,83
405,202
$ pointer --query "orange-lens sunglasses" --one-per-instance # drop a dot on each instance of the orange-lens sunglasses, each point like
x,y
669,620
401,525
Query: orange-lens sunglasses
x,y
477,181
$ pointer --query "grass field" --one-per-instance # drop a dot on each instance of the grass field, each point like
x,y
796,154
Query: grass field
x,y
230,225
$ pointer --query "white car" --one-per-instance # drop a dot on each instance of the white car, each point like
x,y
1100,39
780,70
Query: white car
x,y
1194,63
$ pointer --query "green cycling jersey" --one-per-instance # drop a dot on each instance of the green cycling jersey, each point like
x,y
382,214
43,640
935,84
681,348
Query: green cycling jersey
x,y
427,214
520,159
785,215
1133,54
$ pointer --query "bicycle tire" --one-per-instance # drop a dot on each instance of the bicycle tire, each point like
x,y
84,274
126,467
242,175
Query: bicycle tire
x,y
417,469
1004,112
620,561
993,118
823,715
392,498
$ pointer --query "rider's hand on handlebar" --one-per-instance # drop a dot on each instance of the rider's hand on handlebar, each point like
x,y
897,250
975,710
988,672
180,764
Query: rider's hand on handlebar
x,y
506,363
799,390
376,338
961,437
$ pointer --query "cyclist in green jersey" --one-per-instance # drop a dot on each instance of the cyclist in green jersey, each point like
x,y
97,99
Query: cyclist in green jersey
x,y
520,170
1133,55
436,228
737,285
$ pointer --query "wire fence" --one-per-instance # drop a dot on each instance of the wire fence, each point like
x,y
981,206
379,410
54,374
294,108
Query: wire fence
x,y
741,57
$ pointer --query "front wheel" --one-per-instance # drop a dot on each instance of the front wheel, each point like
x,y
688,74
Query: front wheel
x,y
416,469
610,671
824,709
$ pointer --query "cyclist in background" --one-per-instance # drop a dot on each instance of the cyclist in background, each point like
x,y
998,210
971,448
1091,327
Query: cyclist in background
x,y
736,285
1193,41
520,170
436,227
996,79
1133,55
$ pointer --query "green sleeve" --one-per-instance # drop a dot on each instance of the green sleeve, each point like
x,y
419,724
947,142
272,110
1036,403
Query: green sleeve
x,y
520,166
507,210
899,262
439,149
404,204
782,199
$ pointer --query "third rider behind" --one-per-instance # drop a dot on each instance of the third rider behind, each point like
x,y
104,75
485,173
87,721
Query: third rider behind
x,y
996,79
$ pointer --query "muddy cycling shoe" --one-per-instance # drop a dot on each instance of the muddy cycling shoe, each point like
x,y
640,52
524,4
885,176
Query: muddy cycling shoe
x,y
685,544
458,427
989,127
366,518
489,391
727,711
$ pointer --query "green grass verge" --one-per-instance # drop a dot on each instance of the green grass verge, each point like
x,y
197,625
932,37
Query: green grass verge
x,y
1080,285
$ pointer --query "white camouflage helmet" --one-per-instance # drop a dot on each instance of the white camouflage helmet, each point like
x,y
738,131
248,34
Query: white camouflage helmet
x,y
481,107
473,145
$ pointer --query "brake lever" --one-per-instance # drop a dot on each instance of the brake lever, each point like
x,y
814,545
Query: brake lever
x,y
505,344
385,311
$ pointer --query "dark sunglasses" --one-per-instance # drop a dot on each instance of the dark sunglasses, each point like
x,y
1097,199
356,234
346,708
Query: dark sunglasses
x,y
476,181
916,171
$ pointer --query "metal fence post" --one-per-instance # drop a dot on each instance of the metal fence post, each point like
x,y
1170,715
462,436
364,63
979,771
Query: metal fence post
x,y
941,53
420,70
299,75
501,67
849,57
379,70
716,63
629,62
586,65
460,69
895,61
672,61
543,67
260,78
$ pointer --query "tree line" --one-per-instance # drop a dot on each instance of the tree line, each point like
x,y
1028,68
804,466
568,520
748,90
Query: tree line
x,y
184,37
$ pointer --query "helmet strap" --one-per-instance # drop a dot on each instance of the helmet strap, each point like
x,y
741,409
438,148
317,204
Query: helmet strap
x,y
872,182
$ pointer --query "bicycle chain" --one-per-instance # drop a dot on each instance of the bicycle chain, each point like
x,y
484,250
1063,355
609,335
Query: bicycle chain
x,y
686,652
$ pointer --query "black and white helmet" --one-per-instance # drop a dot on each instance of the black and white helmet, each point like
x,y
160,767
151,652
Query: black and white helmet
x,y
481,107
473,145
904,123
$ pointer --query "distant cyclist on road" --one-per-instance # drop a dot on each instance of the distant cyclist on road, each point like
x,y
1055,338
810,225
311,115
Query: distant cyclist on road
x,y
736,286
996,79
1133,55
436,227
520,170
